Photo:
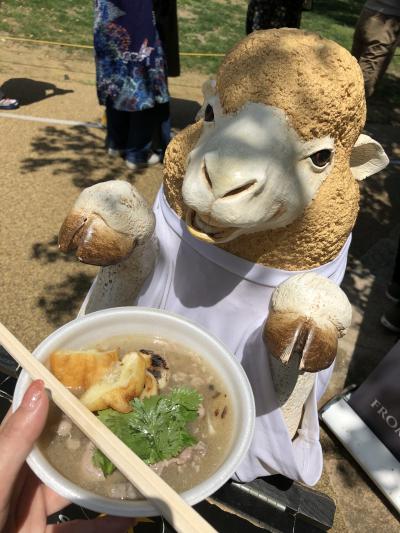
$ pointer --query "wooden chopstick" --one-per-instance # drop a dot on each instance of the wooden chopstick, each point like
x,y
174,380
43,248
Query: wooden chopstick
x,y
178,513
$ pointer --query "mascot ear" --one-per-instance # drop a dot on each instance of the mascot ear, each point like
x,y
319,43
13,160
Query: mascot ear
x,y
367,158
209,89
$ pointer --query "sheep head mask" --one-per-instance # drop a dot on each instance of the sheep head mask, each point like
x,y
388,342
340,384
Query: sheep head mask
x,y
283,117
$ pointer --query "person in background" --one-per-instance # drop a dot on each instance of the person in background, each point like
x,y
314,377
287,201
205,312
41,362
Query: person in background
x,y
131,78
268,14
375,39
167,26
25,502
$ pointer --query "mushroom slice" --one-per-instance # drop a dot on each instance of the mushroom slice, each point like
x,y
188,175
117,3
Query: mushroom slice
x,y
125,381
157,366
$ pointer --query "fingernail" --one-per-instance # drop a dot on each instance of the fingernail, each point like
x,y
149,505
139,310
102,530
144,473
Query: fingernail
x,y
33,395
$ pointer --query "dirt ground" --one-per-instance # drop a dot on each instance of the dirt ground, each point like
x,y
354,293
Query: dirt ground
x,y
46,165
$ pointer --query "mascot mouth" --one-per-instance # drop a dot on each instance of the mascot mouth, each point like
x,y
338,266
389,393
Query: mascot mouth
x,y
207,232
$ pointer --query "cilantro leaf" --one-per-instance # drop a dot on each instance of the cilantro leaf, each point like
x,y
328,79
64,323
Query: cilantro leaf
x,y
156,429
103,462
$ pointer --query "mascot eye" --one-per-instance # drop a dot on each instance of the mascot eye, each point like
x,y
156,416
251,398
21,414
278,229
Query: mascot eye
x,y
208,114
321,158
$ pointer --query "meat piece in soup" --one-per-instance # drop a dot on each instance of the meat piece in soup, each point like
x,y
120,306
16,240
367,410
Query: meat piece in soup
x,y
173,367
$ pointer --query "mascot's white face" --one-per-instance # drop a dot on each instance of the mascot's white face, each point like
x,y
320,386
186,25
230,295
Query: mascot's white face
x,y
250,171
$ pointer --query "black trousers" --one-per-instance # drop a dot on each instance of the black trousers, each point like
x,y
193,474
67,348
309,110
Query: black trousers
x,y
137,133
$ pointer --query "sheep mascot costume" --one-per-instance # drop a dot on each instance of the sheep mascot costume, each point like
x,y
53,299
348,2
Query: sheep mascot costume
x,y
250,232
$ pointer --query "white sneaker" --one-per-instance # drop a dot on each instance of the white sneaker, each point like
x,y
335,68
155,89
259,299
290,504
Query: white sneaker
x,y
113,152
152,160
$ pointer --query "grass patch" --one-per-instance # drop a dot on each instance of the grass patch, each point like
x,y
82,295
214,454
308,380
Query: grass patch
x,y
212,26
70,21
334,20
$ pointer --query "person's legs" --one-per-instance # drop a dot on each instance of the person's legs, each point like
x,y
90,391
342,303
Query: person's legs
x,y
374,43
162,133
142,125
117,129
251,17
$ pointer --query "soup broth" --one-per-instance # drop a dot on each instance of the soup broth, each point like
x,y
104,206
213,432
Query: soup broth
x,y
70,452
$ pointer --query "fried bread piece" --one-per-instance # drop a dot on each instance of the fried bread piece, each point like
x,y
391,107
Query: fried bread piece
x,y
81,368
150,386
126,380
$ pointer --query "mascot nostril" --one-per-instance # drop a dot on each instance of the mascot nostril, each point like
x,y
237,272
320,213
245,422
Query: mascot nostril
x,y
207,175
257,266
240,189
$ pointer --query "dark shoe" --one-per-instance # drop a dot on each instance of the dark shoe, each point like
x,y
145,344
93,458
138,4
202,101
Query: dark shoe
x,y
393,292
391,318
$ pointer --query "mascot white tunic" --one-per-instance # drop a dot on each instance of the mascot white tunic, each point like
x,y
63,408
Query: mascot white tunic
x,y
250,233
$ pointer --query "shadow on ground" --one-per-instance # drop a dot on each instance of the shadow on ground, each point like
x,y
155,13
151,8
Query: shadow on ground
x,y
372,253
79,152
65,298
48,252
28,91
61,301
384,105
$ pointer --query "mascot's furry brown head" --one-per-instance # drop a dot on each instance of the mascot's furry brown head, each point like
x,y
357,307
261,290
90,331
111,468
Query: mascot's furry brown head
x,y
278,153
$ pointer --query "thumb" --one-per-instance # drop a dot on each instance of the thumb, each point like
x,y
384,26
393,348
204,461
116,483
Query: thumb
x,y
18,434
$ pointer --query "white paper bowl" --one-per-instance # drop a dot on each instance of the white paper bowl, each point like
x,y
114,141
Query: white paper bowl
x,y
136,320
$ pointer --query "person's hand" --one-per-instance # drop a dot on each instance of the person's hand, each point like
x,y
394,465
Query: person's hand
x,y
25,502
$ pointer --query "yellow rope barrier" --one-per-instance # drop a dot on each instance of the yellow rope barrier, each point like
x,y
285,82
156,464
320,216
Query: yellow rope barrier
x,y
57,43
